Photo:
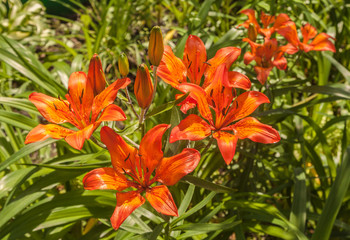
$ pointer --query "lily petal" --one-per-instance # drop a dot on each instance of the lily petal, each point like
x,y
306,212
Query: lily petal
x,y
172,169
77,94
195,56
198,94
238,80
127,202
256,131
107,96
112,113
227,145
186,104
42,132
52,109
160,198
77,139
191,128
244,105
322,43
262,73
151,148
105,178
171,69
121,153
225,55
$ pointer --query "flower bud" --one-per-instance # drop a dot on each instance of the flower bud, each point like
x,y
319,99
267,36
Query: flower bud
x,y
96,76
156,46
252,32
123,64
143,87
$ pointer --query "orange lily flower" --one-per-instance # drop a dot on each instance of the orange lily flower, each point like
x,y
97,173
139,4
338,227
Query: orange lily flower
x,y
133,168
266,21
320,42
266,56
194,65
219,97
88,104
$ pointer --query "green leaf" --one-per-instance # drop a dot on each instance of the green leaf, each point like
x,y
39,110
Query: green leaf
x,y
196,208
207,185
298,213
17,120
334,201
26,150
165,107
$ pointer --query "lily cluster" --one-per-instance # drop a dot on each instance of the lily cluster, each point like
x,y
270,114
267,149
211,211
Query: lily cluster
x,y
229,119
269,54
142,172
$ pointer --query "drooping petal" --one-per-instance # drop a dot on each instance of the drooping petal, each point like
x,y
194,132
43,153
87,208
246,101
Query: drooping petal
x,y
225,55
112,113
160,198
322,43
127,202
256,131
96,76
191,128
122,154
77,139
198,93
172,169
107,96
195,56
105,178
171,69
42,132
151,147
53,109
238,80
227,145
245,104
262,73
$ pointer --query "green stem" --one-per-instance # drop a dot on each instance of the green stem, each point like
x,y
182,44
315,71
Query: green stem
x,y
98,143
130,102
155,68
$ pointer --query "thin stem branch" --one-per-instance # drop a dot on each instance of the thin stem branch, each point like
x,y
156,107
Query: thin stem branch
x,y
130,102
131,141
98,143
207,146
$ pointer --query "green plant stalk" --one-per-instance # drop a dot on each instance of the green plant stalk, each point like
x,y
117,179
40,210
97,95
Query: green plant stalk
x,y
130,102
155,68
334,201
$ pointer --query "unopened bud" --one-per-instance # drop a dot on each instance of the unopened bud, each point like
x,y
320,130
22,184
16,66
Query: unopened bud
x,y
156,46
123,64
96,77
252,32
143,87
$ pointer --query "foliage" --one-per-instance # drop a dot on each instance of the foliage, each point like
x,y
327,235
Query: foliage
x,y
295,189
